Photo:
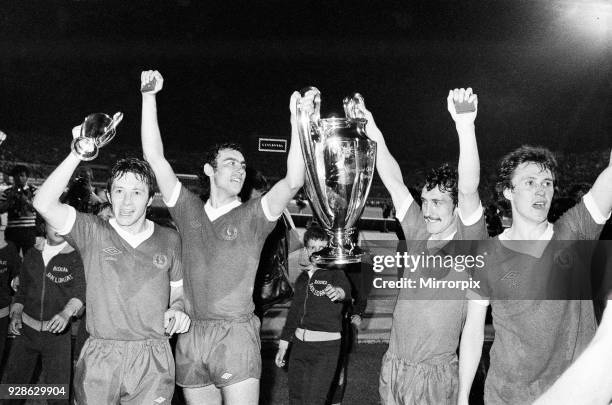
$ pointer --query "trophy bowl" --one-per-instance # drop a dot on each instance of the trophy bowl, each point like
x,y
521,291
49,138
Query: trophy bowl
x,y
97,130
339,160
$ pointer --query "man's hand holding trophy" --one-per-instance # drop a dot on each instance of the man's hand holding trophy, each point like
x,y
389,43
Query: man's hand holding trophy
x,y
96,131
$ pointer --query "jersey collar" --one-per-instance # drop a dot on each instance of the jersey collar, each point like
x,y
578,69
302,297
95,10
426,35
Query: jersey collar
x,y
133,239
214,213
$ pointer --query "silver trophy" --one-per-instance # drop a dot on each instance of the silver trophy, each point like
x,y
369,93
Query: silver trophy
x,y
339,161
96,131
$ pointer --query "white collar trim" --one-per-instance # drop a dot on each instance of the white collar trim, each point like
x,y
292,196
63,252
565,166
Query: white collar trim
x,y
214,213
133,239
547,235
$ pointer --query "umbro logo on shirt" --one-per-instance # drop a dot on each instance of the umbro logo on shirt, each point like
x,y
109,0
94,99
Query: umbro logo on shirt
x,y
227,376
111,251
511,278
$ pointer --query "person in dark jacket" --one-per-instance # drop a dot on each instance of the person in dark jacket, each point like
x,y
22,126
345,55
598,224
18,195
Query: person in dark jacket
x,y
314,326
51,292
9,269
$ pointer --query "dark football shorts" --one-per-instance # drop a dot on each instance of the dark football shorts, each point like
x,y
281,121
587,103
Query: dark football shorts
x,y
126,372
220,352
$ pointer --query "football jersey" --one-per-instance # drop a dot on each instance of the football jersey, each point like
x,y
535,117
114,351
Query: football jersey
x,y
535,339
128,288
220,257
421,314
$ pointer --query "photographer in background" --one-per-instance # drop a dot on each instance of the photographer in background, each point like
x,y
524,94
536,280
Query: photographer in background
x,y
17,201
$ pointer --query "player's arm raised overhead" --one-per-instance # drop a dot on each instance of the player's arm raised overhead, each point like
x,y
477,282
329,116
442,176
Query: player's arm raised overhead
x,y
151,82
469,161
602,190
47,198
283,191
386,165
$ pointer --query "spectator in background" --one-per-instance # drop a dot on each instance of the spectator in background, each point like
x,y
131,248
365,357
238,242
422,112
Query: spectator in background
x,y
51,292
386,213
81,193
360,276
9,269
314,325
17,201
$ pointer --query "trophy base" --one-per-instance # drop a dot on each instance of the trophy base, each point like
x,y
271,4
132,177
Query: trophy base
x,y
331,255
84,148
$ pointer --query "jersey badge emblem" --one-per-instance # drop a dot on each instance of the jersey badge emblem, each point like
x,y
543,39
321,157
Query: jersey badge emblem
x,y
230,232
160,260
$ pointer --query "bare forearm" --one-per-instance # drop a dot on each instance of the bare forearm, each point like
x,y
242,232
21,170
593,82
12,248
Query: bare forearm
x,y
176,298
295,161
390,173
73,306
602,191
470,351
47,198
469,161
152,146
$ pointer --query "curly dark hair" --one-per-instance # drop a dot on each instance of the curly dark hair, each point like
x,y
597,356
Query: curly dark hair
x,y
141,169
445,178
542,157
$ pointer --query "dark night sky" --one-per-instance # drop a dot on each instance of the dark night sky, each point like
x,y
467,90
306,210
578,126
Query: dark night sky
x,y
543,70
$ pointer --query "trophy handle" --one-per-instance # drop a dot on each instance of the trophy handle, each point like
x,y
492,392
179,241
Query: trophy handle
x,y
354,106
110,131
308,116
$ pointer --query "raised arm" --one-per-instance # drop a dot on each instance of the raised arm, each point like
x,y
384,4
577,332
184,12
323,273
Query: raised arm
x,y
152,147
588,380
283,191
47,198
470,348
469,162
602,189
386,165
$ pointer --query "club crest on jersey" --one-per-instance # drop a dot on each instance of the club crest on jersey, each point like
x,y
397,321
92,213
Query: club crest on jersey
x,y
230,232
160,260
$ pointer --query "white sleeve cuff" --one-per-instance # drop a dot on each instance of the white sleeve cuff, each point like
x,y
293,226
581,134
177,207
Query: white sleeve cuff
x,y
175,195
177,283
266,210
400,212
70,219
476,298
484,303
593,209
474,217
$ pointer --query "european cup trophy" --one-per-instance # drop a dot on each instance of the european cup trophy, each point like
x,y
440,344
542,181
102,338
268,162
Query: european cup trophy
x,y
339,161
96,131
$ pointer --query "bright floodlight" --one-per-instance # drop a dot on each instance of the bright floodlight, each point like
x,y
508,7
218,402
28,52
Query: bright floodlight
x,y
592,18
